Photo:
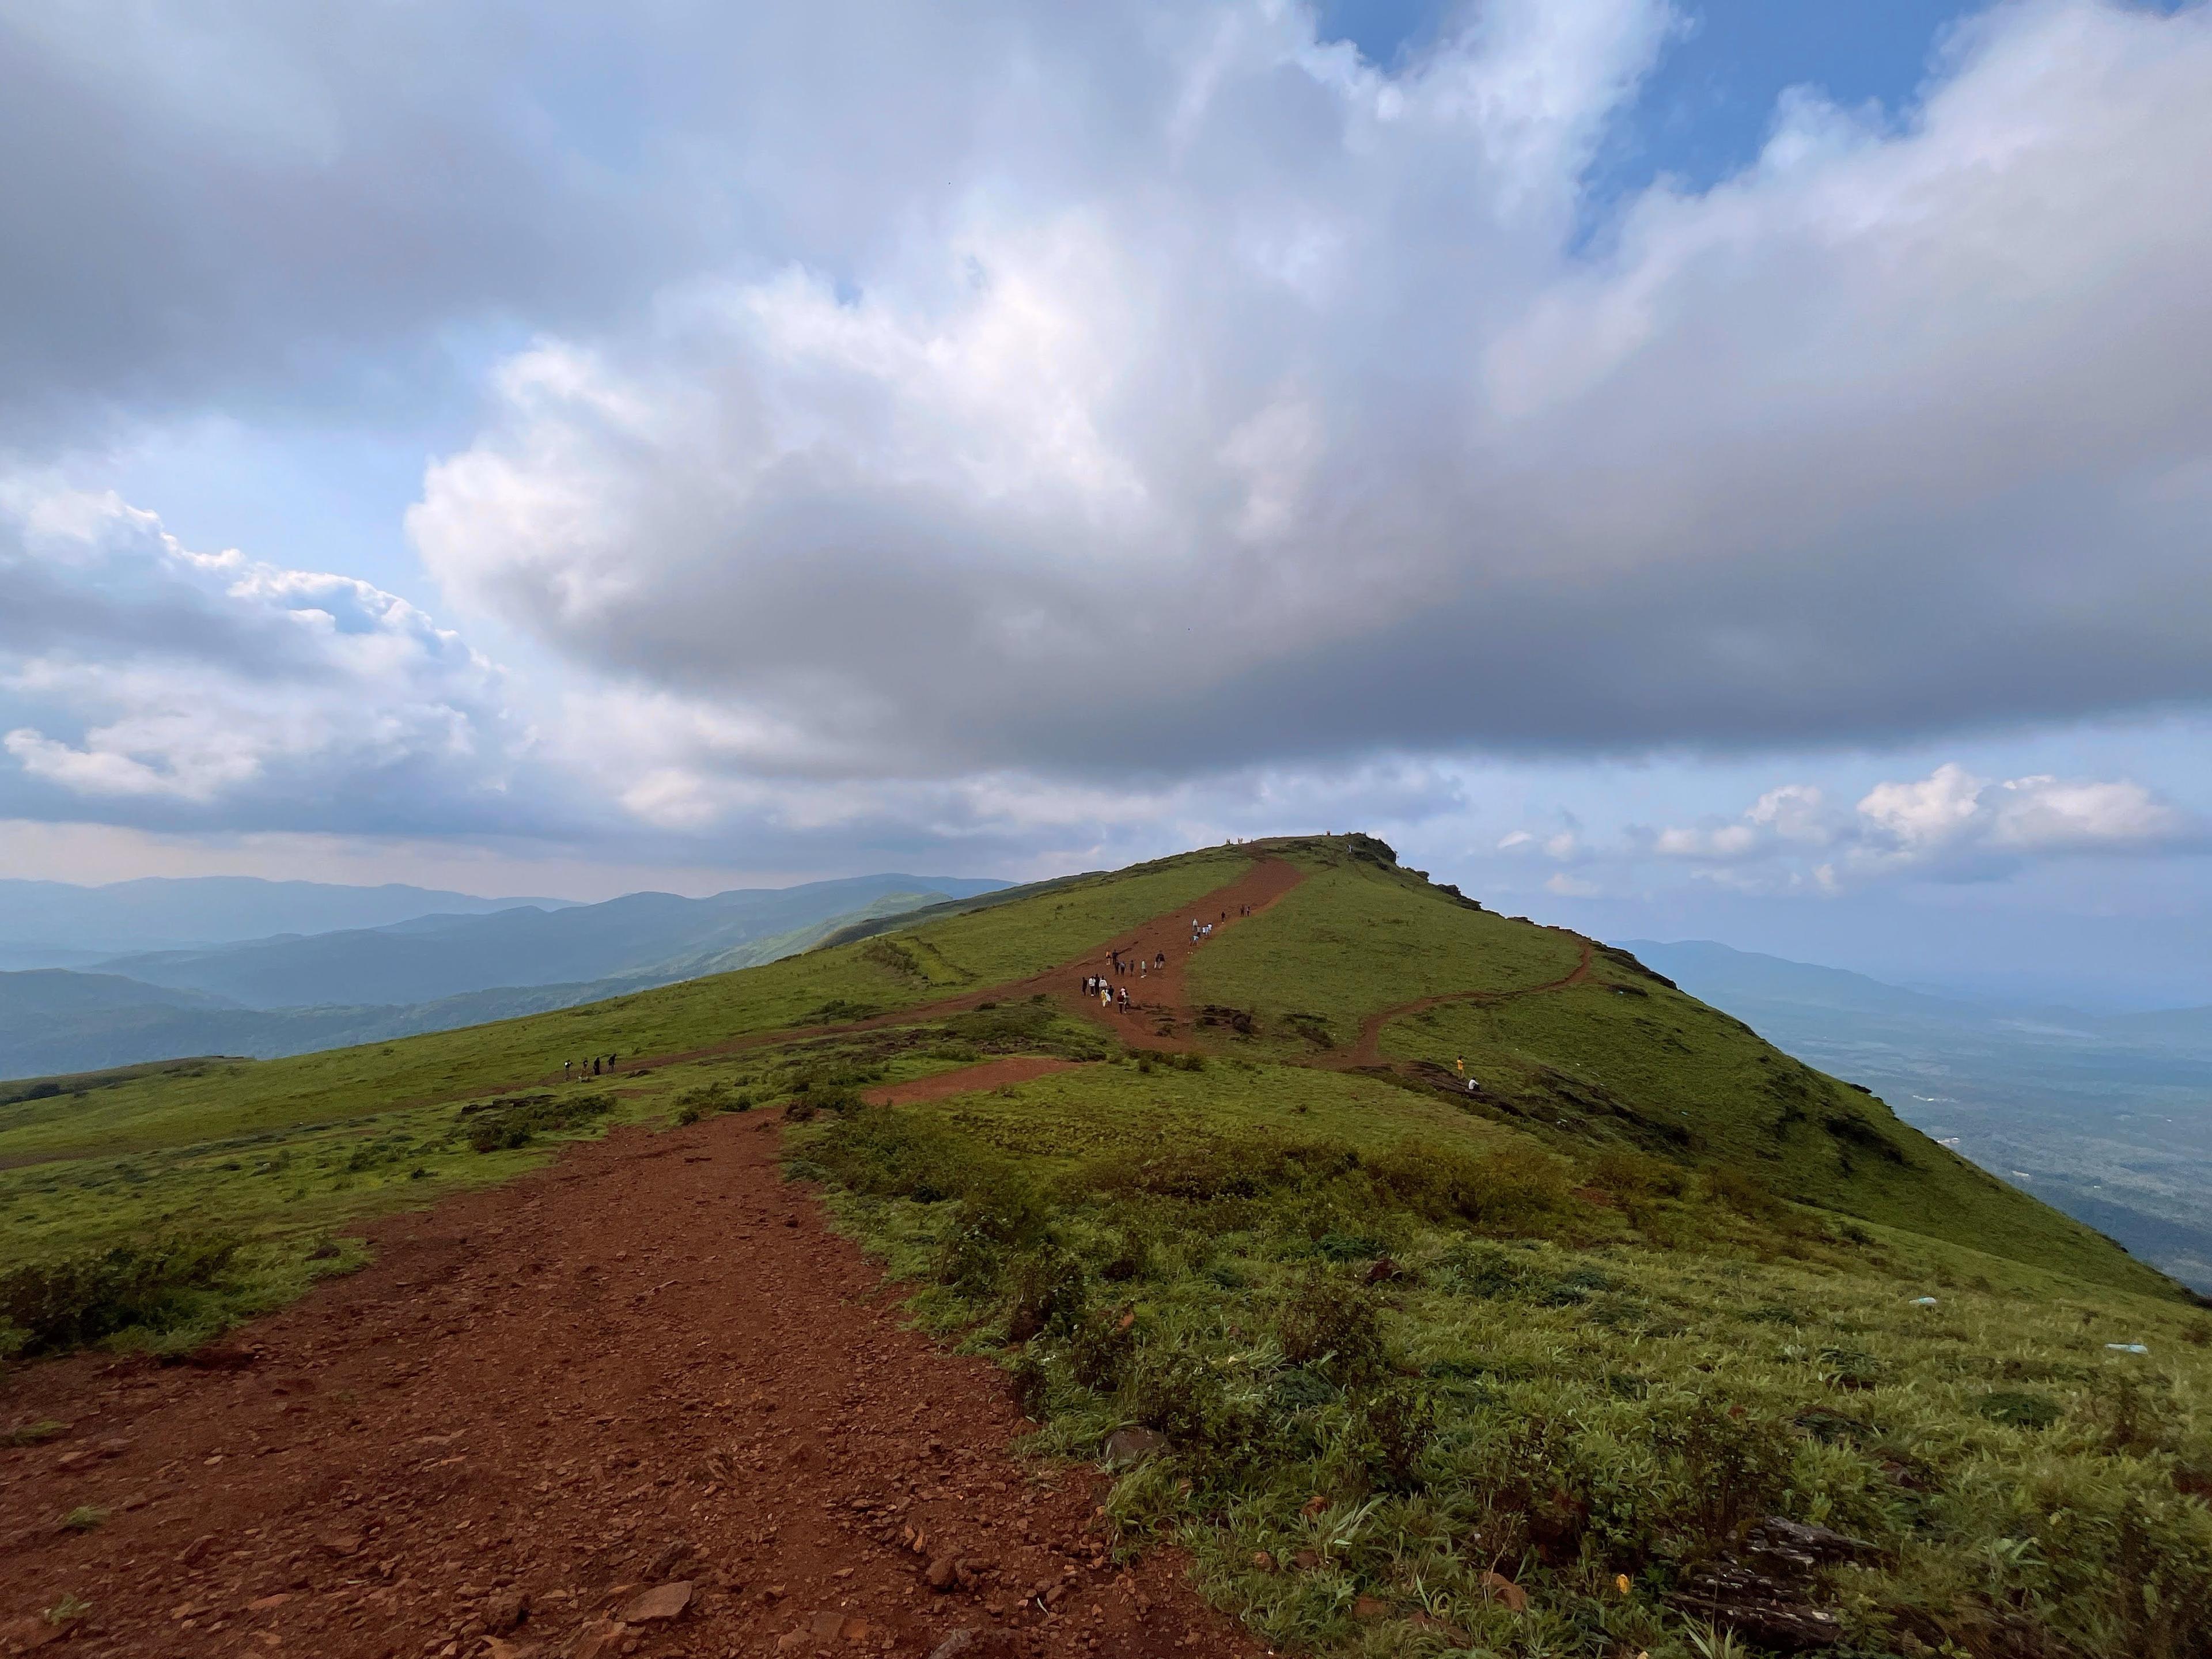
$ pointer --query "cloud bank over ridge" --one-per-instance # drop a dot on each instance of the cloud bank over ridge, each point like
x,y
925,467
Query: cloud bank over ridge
x,y
1276,409
1035,430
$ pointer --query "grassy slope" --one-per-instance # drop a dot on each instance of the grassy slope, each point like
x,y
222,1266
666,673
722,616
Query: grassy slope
x,y
1600,1360
980,949
1620,1060
1355,937
1557,1396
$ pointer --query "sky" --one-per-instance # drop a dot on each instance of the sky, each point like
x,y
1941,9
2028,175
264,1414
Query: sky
x,y
1727,470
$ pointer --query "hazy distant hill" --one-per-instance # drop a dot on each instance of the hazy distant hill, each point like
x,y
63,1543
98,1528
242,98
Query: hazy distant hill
x,y
2109,1117
59,924
427,974
430,958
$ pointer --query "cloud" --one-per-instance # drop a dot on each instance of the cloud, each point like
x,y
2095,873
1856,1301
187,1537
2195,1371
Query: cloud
x,y
1950,825
1256,406
1951,810
1015,421
145,682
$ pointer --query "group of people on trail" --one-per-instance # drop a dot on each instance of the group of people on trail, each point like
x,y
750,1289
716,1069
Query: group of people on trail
x,y
591,1068
1113,996
1199,930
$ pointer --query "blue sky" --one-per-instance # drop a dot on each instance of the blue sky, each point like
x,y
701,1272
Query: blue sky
x,y
1726,469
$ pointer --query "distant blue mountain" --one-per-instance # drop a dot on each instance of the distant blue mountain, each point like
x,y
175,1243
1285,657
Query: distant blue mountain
x,y
293,994
57,923
659,935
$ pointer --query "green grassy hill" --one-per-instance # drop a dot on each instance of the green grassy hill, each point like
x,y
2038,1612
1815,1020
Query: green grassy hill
x,y
1549,1367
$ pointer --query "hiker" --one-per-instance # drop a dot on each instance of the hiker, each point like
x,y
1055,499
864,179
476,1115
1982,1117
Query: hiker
x,y
566,1065
1161,960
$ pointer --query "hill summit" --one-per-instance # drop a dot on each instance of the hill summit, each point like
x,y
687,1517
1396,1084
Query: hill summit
x,y
1437,1278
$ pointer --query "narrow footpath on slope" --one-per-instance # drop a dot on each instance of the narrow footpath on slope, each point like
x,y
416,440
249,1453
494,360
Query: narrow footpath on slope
x,y
641,1402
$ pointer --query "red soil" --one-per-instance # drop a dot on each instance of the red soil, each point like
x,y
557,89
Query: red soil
x,y
1160,1017
648,1364
991,1074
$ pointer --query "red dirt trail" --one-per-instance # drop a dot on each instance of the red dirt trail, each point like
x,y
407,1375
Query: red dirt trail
x,y
1368,1050
649,1364
1161,1018
1267,880
990,1074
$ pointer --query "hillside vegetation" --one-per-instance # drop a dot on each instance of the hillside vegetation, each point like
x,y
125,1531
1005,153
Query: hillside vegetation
x,y
1657,1341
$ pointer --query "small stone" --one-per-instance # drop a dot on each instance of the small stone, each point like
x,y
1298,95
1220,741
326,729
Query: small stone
x,y
661,1601
1313,1506
598,1640
191,1554
340,1544
959,1642
1306,1560
1383,1269
1263,1561
503,1612
942,1573
1368,1607
268,1603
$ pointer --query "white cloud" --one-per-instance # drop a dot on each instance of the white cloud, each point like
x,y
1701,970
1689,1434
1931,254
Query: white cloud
x,y
1564,886
1132,440
1949,823
141,672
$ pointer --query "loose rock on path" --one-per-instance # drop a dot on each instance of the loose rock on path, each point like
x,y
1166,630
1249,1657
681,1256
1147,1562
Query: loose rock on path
x,y
641,1402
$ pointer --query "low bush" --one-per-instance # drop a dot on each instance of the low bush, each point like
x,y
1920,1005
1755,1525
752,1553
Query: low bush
x,y
1514,1189
708,1099
496,1126
73,1300
1327,1325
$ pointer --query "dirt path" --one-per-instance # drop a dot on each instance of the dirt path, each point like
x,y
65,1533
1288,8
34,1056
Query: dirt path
x,y
1161,1017
649,1364
1368,1050
1267,880
991,1074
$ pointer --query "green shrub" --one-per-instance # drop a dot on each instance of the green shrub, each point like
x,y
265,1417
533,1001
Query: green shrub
x,y
1629,1175
1516,1188
1742,1193
1391,1430
1049,1290
496,1126
997,1216
893,1154
2020,1409
1328,1325
708,1098
73,1300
